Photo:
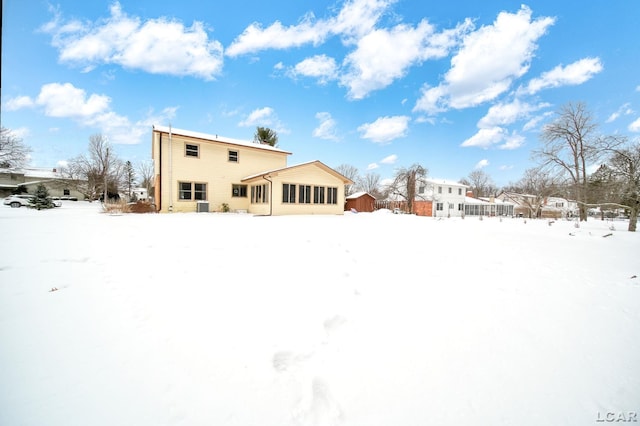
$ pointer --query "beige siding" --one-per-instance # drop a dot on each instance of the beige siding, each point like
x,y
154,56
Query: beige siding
x,y
311,175
211,167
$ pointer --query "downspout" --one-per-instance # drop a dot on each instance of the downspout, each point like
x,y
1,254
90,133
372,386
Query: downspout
x,y
158,191
170,172
270,195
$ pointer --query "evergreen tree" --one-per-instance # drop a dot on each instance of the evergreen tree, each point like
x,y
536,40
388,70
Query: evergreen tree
x,y
130,178
41,199
266,136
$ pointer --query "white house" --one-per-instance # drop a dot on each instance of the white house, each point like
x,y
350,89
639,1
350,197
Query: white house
x,y
441,198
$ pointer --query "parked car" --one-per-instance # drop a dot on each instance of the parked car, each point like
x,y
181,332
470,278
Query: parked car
x,y
20,200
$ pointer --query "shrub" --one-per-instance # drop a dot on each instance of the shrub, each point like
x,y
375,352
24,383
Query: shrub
x,y
142,207
116,207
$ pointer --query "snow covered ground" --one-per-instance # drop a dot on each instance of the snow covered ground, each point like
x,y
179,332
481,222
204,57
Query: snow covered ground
x,y
362,319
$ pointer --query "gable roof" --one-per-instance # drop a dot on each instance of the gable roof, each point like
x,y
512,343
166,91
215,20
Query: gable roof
x,y
216,138
358,195
446,182
316,163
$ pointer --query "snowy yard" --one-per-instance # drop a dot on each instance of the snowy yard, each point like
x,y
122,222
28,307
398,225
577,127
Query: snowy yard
x,y
362,319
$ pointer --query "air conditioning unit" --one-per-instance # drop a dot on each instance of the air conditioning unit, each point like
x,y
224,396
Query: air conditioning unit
x,y
202,207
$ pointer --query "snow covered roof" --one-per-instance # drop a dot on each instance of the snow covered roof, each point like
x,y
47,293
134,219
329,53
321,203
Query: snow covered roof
x,y
446,182
216,138
358,195
496,201
35,172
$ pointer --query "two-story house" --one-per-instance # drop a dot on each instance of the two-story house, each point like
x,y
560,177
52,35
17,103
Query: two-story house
x,y
440,198
201,172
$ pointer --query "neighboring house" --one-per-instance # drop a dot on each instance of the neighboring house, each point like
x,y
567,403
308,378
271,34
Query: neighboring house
x,y
361,202
558,207
487,206
201,172
527,205
440,198
140,194
31,177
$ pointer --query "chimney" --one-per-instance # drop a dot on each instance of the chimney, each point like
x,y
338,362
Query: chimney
x,y
470,194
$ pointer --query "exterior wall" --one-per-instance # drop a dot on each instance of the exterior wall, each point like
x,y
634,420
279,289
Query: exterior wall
x,y
450,200
311,175
423,208
212,167
364,203
56,186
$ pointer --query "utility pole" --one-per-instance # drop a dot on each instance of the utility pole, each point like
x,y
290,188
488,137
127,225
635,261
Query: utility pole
x,y
104,171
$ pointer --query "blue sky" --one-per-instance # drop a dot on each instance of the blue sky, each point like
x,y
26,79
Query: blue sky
x,y
376,84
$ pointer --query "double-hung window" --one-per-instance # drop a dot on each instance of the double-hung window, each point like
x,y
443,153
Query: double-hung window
x,y
200,191
233,156
259,194
188,191
239,191
318,194
332,195
184,190
305,194
288,193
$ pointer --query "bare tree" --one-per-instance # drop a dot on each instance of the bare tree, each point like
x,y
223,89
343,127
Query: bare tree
x,y
99,172
145,171
350,172
13,152
406,181
370,183
569,145
480,183
532,190
625,163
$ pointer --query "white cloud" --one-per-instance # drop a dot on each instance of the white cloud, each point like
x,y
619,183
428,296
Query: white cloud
x,y
381,55
264,117
485,137
18,102
481,164
320,67
635,126
384,55
327,127
390,159
513,141
505,167
507,113
158,46
276,36
21,132
372,166
385,129
356,18
259,117
571,75
67,101
487,63
623,110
